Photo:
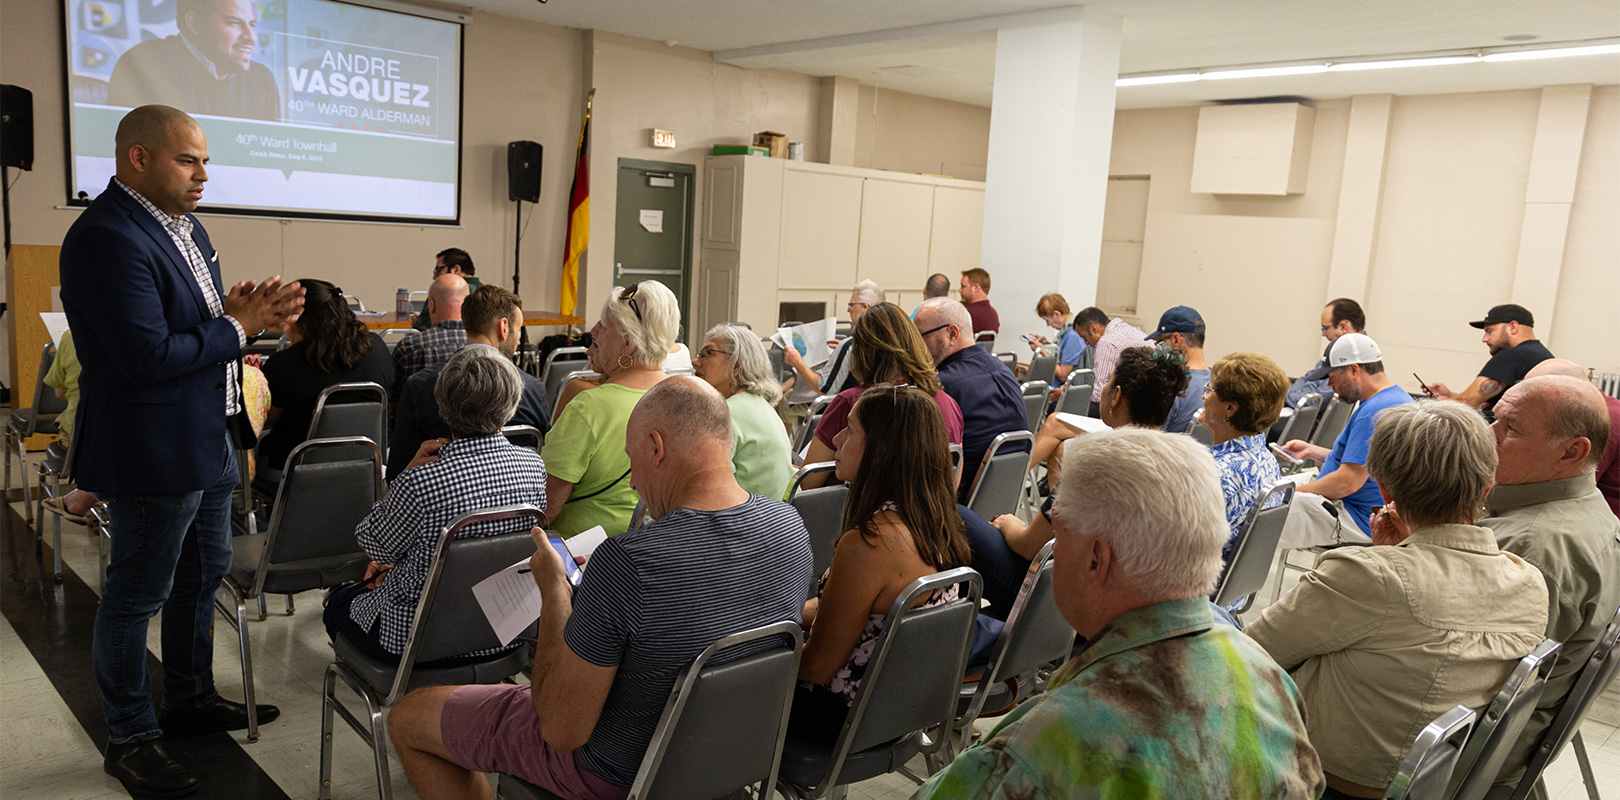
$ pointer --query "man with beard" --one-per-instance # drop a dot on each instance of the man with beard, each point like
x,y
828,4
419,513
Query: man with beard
x,y
1336,507
1514,350
207,69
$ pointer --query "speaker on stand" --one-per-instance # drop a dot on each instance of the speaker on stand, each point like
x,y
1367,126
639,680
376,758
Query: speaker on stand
x,y
523,167
16,144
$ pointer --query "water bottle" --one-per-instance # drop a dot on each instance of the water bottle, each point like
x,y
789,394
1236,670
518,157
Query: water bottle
x,y
402,302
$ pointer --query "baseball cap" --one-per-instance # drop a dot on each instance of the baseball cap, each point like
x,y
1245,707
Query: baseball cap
x,y
1507,312
1351,348
1181,319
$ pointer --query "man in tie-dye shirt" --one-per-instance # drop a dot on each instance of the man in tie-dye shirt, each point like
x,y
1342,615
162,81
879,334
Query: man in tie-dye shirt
x,y
1161,702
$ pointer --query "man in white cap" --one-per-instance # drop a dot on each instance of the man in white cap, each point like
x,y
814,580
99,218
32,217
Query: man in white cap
x,y
1336,507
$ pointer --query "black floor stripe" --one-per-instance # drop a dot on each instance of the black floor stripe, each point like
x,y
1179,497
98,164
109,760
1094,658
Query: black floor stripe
x,y
55,624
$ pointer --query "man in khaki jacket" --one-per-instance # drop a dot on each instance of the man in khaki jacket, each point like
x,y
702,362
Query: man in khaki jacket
x,y
1383,639
1546,509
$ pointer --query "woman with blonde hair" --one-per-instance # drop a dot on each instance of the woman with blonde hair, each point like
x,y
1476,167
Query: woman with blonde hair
x,y
588,472
733,361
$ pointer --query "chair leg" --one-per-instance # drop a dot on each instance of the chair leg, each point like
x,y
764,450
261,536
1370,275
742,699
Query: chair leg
x,y
263,612
240,623
328,698
290,608
379,749
374,729
1282,572
22,461
56,542
1579,746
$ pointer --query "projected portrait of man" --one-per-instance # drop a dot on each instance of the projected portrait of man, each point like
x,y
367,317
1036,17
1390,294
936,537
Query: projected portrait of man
x,y
207,69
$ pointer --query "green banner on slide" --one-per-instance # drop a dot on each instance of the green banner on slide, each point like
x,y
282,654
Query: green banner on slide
x,y
291,148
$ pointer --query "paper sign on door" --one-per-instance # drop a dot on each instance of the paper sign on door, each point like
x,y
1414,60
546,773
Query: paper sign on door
x,y
652,219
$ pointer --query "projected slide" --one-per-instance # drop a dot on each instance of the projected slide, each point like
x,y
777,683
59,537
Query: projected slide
x,y
310,106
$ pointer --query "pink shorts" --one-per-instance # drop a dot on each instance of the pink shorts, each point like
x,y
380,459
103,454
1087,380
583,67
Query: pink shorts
x,y
494,729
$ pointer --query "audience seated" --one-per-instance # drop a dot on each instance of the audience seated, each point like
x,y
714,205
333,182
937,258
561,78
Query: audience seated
x,y
449,261
1546,509
1242,399
1107,338
329,346
1162,701
975,294
1514,350
982,386
477,469
1054,311
1181,330
887,350
807,384
714,561
1608,466
589,471
899,525
1383,639
733,361
1341,489
937,285
1339,317
1140,393
493,317
433,346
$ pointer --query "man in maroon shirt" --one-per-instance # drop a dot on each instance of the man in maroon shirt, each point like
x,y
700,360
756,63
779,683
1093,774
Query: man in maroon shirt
x,y
975,291
1608,468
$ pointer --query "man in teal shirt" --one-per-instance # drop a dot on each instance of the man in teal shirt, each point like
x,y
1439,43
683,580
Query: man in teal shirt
x,y
1162,702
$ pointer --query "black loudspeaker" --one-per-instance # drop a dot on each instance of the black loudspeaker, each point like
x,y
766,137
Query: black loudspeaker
x,y
523,171
17,127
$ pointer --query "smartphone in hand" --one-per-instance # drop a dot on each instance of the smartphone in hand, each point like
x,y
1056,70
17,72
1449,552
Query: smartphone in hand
x,y
1285,455
570,567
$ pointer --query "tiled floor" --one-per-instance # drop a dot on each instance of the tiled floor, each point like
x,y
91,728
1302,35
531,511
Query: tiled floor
x,y
46,752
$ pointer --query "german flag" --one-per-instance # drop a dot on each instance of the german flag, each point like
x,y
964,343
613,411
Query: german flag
x,y
579,214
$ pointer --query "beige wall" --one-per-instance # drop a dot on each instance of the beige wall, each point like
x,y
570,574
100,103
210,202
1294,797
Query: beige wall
x,y
1449,179
911,133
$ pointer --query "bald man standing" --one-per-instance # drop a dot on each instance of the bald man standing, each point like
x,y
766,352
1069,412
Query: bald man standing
x,y
160,341
434,346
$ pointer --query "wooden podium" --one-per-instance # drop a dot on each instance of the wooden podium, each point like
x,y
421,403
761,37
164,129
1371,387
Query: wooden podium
x,y
31,271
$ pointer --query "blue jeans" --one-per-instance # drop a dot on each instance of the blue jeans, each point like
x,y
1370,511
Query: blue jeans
x,y
1002,569
169,552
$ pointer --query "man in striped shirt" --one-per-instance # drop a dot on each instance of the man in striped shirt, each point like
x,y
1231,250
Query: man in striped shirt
x,y
1108,338
715,561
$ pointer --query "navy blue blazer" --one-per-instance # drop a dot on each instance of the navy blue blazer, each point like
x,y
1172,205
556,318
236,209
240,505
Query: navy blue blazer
x,y
152,393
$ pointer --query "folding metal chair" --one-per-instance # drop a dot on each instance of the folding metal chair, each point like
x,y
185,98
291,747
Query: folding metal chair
x,y
1076,395
1430,761
1593,680
25,422
911,685
525,436
1487,749
987,340
1303,420
807,426
999,484
53,469
1334,417
1035,403
1249,561
562,383
1196,429
722,728
1011,360
448,623
1042,366
822,510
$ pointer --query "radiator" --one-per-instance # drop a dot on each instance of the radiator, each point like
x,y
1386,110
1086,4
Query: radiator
x,y
1608,383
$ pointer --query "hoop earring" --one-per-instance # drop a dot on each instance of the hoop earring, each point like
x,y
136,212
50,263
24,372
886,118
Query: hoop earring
x,y
625,361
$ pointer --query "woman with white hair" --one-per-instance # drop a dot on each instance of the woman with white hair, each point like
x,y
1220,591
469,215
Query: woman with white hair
x,y
589,473
733,361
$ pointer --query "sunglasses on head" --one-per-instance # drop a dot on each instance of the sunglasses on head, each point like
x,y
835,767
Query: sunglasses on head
x,y
629,296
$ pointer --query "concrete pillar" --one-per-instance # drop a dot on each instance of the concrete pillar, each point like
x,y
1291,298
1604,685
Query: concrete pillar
x,y
1361,191
1555,160
840,102
1051,128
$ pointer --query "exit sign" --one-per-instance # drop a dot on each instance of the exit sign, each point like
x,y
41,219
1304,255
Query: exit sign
x,y
663,138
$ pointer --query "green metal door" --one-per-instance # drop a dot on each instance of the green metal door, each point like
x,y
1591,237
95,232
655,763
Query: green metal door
x,y
652,229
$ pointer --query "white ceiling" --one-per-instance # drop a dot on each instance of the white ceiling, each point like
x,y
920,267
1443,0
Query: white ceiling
x,y
1159,35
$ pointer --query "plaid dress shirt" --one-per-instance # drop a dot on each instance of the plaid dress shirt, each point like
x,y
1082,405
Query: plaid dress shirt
x,y
179,230
1118,336
469,475
430,348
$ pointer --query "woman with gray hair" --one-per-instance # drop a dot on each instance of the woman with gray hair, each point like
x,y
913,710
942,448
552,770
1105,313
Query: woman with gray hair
x,y
733,361
589,481
1384,638
475,469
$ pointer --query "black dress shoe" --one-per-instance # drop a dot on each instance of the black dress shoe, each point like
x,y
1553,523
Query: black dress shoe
x,y
146,770
220,715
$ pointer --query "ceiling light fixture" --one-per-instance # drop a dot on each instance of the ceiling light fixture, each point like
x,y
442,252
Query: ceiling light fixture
x,y
1604,47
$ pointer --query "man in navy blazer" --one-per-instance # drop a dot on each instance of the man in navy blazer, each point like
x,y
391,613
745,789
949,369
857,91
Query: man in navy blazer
x,y
160,343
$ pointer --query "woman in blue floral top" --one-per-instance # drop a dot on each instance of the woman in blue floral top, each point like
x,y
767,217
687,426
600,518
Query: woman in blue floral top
x,y
1242,401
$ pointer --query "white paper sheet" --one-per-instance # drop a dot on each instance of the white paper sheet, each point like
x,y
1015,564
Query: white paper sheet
x,y
586,541
510,600
810,339
56,324
1083,424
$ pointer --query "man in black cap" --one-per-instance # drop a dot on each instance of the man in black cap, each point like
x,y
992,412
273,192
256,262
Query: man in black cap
x,y
1514,350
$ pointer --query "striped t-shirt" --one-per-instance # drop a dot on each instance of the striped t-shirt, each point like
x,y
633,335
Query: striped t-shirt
x,y
654,598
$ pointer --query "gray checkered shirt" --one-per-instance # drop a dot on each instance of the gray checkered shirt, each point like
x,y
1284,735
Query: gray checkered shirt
x,y
179,229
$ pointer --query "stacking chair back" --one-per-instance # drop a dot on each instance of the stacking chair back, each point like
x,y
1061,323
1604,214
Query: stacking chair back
x,y
1334,417
1432,758
525,436
774,356
1482,758
1304,418
1042,367
25,422
319,503
807,428
346,410
1590,683
999,484
823,512
1011,360
46,404
1249,561
1199,433
1035,634
1076,396
1035,403
987,340
559,363
563,379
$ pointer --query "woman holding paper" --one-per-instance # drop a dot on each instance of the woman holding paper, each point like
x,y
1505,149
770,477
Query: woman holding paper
x,y
733,361
476,469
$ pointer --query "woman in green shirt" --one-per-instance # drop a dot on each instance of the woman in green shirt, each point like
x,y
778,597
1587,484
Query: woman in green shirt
x,y
587,471
733,361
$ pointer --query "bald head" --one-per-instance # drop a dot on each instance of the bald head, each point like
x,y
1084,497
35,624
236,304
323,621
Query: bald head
x,y
688,412
1558,366
939,311
161,154
1550,427
679,443
149,127
445,297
